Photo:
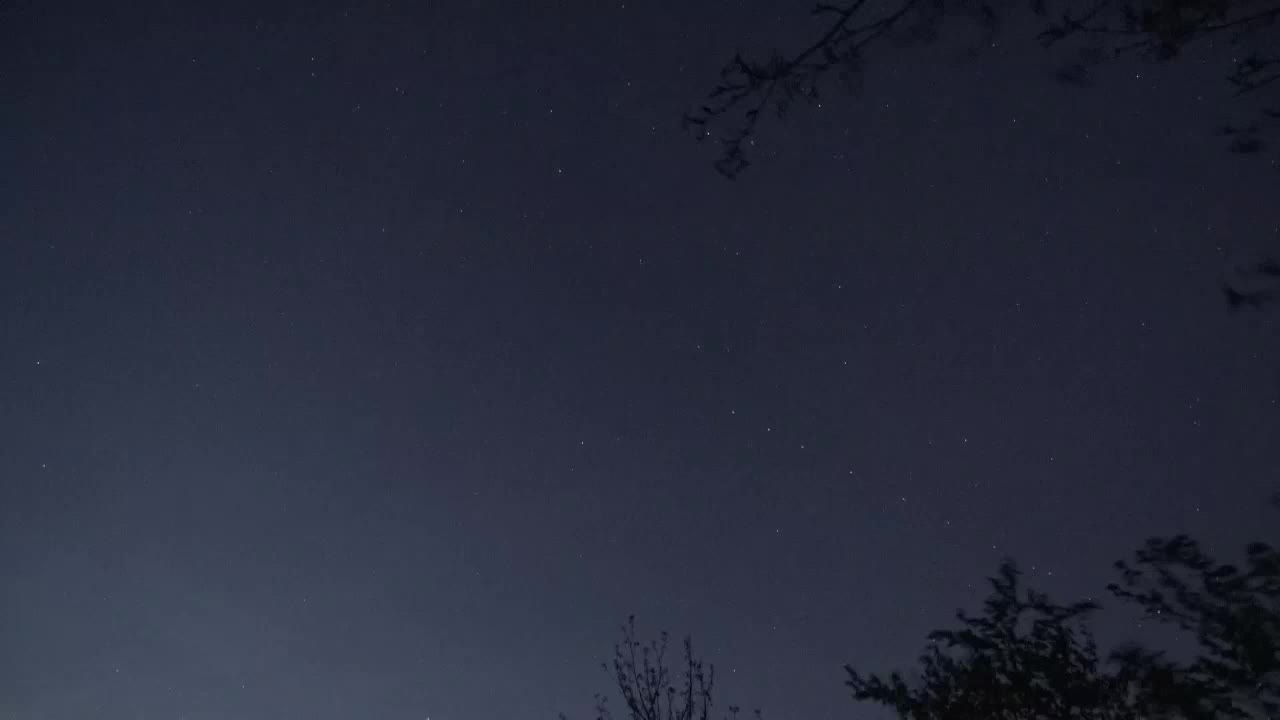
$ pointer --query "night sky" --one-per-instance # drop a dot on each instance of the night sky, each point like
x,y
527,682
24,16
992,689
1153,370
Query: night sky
x,y
377,360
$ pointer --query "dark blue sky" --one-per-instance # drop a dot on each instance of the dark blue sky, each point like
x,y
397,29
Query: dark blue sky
x,y
376,361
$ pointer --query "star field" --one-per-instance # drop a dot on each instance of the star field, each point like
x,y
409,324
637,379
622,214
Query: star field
x,y
373,360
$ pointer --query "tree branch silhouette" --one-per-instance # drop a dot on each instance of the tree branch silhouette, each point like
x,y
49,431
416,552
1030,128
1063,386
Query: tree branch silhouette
x,y
652,687
1156,29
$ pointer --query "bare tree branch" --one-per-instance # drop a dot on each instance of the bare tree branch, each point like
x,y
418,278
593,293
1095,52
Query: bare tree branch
x,y
1158,29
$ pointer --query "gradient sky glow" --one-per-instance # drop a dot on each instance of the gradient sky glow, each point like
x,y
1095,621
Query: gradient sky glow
x,y
377,360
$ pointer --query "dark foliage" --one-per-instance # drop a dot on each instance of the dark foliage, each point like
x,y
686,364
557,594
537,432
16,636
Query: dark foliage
x,y
1023,657
1098,31
1234,614
1026,657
